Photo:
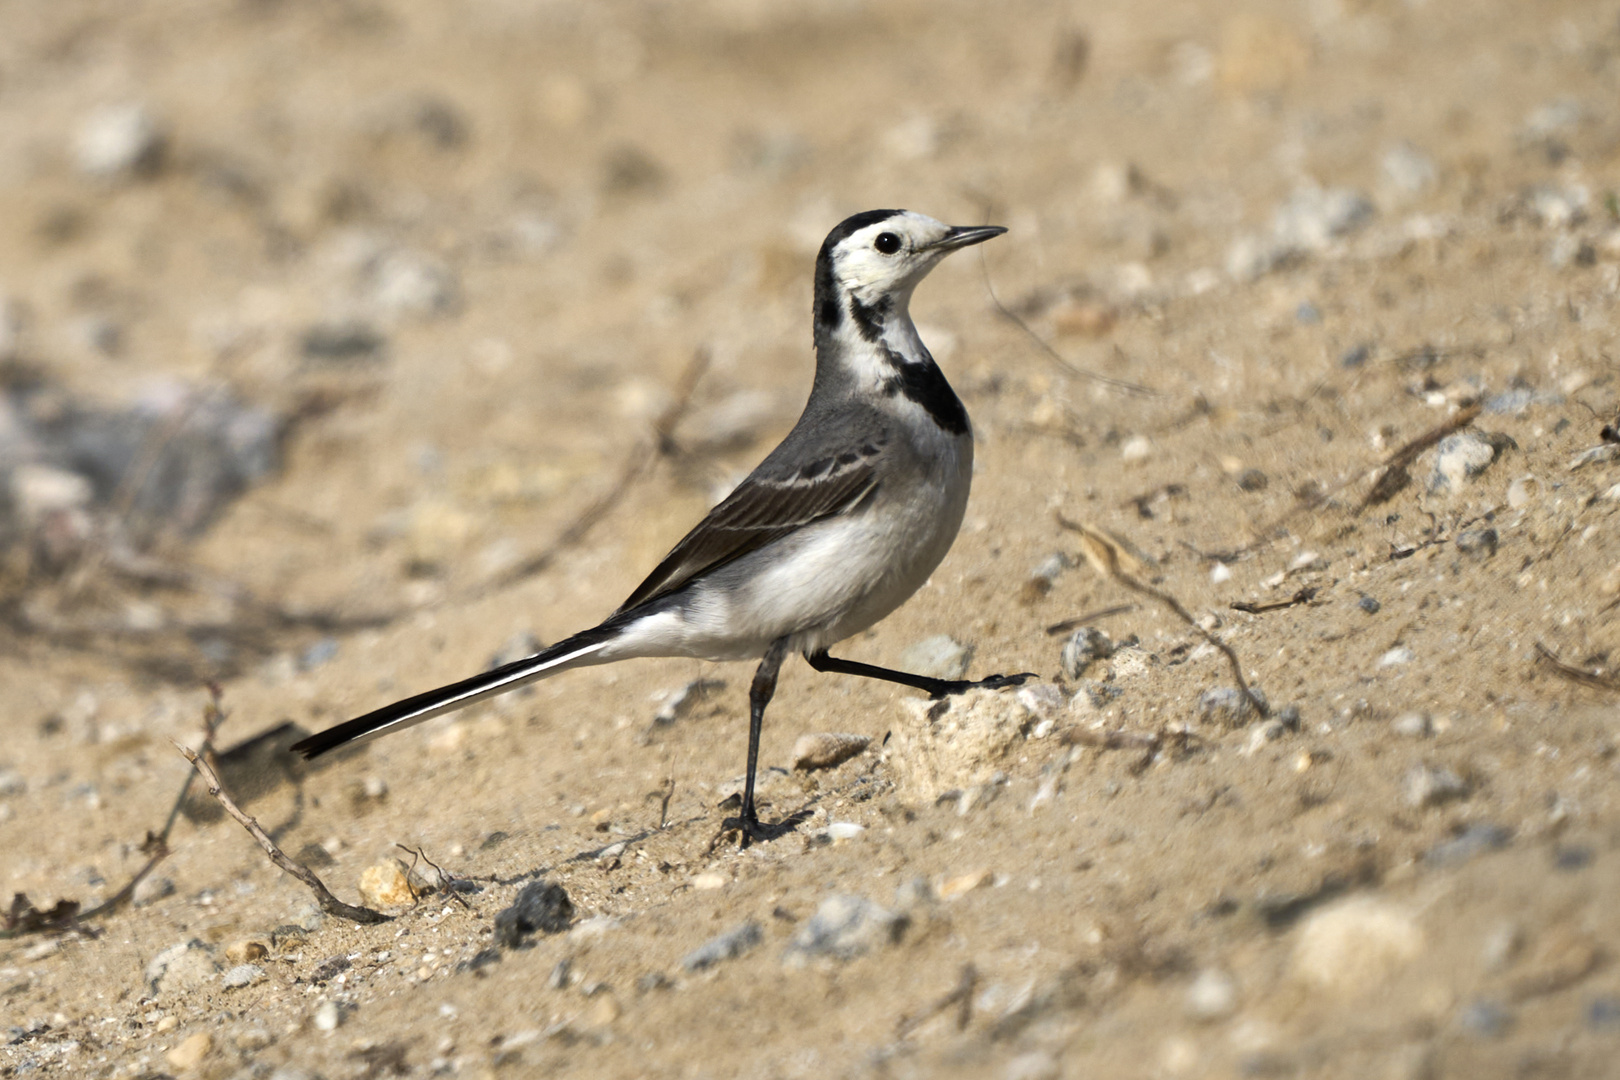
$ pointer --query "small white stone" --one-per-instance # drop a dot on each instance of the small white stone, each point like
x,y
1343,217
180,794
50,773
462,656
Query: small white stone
x,y
1219,572
1212,996
328,1016
1136,448
1395,657
118,140
845,830
1412,725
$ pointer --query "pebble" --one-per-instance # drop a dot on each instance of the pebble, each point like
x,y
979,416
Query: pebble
x,y
1408,171
1212,996
1486,1019
938,657
1228,706
387,885
1395,657
242,975
1253,480
708,881
152,889
328,1016
180,967
190,1052
407,283
727,946
1461,457
845,926
1136,448
962,884
1412,725
1034,1065
680,702
1603,1014
119,141
1558,207
40,491
844,830
342,341
826,750
1356,355
1369,605
1424,786
1476,839
246,952
1355,944
1477,542
542,907
317,654
1083,648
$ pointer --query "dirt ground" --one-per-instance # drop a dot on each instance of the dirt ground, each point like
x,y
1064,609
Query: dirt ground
x,y
467,254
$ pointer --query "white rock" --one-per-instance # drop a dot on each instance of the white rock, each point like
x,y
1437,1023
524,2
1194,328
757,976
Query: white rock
x,y
118,140
242,975
38,491
328,1016
1459,458
1355,944
1212,996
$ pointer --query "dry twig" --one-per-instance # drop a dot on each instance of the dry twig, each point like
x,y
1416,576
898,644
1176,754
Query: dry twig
x,y
1107,556
961,996
1595,679
1303,596
323,896
1091,616
662,444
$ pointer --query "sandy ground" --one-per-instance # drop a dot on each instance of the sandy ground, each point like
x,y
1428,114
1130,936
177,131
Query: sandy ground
x,y
1312,232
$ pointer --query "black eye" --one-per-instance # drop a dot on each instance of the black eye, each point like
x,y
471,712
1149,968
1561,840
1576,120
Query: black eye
x,y
887,243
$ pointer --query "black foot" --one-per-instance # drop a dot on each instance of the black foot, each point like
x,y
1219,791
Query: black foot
x,y
990,682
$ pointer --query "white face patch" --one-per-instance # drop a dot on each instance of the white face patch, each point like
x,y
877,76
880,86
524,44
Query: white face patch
x,y
889,258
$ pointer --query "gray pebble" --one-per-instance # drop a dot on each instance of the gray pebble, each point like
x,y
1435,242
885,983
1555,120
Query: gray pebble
x,y
1228,705
152,889
180,967
1474,840
1412,725
1461,457
1369,605
1603,1014
727,946
317,654
1430,785
344,341
1085,647
242,975
1486,1019
410,283
1480,542
1253,480
1356,355
938,657
845,926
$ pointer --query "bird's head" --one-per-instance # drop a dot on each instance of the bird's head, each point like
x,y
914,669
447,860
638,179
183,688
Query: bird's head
x,y
869,264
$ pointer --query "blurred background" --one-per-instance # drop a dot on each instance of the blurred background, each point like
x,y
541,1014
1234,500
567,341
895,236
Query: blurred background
x,y
347,347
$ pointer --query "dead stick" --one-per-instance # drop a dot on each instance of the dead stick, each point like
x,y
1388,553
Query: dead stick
x,y
329,903
1104,554
1596,680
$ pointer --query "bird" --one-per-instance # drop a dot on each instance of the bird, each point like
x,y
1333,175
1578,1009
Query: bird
x,y
836,528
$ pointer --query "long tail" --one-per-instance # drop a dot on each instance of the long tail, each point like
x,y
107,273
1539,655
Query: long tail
x,y
413,710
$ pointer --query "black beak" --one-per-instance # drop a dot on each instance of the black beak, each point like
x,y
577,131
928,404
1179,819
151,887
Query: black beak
x,y
962,236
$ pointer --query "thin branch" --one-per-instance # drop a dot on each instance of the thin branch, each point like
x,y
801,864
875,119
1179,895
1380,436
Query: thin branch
x,y
636,463
328,903
1052,354
1103,553
1091,616
1595,679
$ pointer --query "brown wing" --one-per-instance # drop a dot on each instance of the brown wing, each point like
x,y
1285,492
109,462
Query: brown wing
x,y
760,510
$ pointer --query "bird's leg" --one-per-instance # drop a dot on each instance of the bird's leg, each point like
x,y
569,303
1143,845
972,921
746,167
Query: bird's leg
x,y
937,688
760,693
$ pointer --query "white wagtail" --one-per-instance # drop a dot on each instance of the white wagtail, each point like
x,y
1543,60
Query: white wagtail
x,y
836,528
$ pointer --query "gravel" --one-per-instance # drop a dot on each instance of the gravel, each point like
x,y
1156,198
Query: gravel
x,y
541,907
727,946
845,926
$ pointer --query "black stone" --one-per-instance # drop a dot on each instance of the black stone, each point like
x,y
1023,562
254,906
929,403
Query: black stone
x,y
541,907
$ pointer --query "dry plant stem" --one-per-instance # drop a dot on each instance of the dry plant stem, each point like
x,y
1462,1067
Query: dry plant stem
x,y
1091,616
329,903
640,459
960,996
1401,458
1575,674
1051,353
1103,554
446,881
